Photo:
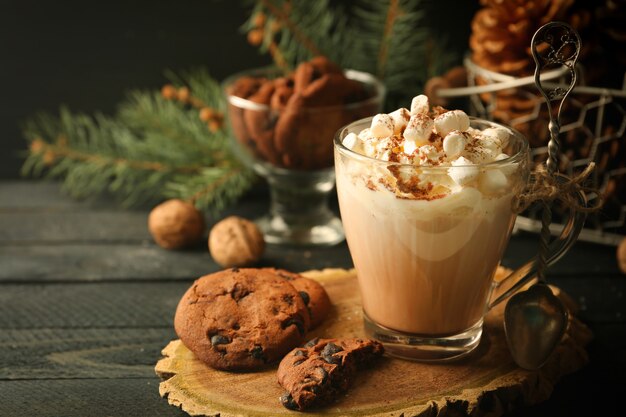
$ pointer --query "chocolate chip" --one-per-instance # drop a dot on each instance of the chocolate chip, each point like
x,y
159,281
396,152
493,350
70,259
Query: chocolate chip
x,y
294,321
331,349
335,360
312,342
238,292
288,298
305,297
218,339
235,269
298,362
298,353
257,353
288,402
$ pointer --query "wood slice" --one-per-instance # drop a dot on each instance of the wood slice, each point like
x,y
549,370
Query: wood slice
x,y
487,382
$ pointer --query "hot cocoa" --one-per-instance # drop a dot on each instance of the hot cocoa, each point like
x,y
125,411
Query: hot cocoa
x,y
425,197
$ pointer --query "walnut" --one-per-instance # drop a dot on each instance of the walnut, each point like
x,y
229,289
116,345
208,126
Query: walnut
x,y
621,256
235,241
176,224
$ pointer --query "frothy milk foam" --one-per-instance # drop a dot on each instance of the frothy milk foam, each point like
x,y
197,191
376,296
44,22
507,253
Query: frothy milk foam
x,y
427,231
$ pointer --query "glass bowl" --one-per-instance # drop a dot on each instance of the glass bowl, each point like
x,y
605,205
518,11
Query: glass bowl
x,y
287,138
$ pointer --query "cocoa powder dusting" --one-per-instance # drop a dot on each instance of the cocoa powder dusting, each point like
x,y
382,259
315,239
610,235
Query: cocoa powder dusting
x,y
410,189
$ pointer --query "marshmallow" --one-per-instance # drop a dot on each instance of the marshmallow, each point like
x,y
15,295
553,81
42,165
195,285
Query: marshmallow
x,y
454,144
452,120
384,155
350,141
382,126
370,147
418,129
479,154
499,133
492,181
428,155
365,134
463,171
420,105
409,147
400,119
509,168
379,148
492,143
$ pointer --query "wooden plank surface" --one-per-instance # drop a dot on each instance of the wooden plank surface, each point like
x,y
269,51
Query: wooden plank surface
x,y
37,194
101,305
90,353
59,226
119,397
76,262
96,262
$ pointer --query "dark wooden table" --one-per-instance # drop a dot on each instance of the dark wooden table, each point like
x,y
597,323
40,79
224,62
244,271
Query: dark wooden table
x,y
87,302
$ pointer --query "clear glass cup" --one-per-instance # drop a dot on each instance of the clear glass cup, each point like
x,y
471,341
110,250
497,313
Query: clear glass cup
x,y
291,147
426,266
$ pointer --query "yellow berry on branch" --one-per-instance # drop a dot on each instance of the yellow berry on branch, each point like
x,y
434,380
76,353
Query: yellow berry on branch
x,y
169,92
259,20
255,37
206,114
184,94
37,145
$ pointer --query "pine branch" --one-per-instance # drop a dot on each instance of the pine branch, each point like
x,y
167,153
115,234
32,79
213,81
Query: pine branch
x,y
213,188
282,15
389,38
151,146
295,31
383,52
395,31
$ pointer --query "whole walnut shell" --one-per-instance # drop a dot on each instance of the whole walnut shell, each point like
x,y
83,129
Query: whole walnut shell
x,y
176,224
235,241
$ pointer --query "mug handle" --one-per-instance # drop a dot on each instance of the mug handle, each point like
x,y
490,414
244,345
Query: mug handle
x,y
559,247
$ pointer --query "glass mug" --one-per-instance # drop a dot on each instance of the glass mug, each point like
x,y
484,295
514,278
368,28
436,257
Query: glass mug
x,y
425,266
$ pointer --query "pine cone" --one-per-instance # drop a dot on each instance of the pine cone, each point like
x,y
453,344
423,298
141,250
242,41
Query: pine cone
x,y
500,41
503,29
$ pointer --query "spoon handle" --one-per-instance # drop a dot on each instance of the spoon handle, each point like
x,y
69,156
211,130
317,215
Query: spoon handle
x,y
554,45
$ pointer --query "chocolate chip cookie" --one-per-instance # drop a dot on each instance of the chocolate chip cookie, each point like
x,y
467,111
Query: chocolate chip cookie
x,y
312,292
317,373
241,319
289,121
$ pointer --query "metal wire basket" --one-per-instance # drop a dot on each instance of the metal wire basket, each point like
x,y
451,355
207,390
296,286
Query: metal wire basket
x,y
592,131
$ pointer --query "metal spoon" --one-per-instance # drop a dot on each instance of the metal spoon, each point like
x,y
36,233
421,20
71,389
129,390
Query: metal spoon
x,y
535,320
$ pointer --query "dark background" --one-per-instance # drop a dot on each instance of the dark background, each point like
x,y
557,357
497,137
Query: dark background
x,y
86,54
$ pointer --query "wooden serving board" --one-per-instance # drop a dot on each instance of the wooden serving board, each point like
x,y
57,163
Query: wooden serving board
x,y
487,382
